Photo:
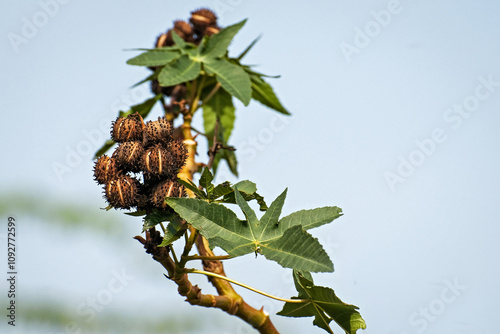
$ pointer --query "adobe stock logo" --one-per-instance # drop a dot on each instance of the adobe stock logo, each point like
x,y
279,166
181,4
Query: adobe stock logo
x,y
30,27
421,320
372,29
453,116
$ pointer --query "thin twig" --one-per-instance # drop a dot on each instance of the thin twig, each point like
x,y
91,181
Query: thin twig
x,y
207,258
213,150
196,271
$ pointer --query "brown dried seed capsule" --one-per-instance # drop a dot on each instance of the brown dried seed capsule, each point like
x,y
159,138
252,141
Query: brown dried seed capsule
x,y
164,189
179,154
203,17
105,169
158,161
128,156
127,128
184,29
122,192
212,30
161,41
158,131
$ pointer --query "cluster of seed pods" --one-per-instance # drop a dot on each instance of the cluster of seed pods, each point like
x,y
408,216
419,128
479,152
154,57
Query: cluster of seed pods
x,y
146,150
203,22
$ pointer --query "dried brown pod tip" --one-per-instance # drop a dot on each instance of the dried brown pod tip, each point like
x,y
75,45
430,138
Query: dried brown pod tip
x,y
164,189
122,192
128,156
105,169
203,18
127,128
158,131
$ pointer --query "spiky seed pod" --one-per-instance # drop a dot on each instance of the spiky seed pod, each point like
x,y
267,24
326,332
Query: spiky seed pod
x,y
184,30
157,89
158,162
105,169
164,189
179,154
157,131
128,156
212,30
161,41
127,128
202,18
122,192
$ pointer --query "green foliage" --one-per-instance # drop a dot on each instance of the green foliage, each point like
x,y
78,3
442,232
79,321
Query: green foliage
x,y
185,62
263,92
209,79
178,71
221,107
216,45
155,57
232,78
291,248
322,304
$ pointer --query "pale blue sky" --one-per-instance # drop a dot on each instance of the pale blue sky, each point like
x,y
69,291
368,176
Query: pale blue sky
x,y
357,118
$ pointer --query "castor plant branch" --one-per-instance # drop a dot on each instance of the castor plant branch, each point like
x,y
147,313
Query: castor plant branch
x,y
152,172
209,258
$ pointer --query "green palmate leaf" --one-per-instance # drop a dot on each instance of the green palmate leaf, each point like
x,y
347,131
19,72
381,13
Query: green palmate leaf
x,y
219,106
153,76
136,213
212,220
178,40
323,305
206,181
154,218
174,230
307,219
191,186
104,148
155,57
240,57
216,46
181,70
231,161
294,249
232,78
248,190
263,92
298,249
222,190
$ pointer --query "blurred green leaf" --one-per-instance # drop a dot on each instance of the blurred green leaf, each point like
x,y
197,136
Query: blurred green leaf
x,y
217,44
174,230
243,54
104,148
323,305
180,70
221,106
232,78
155,57
263,92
